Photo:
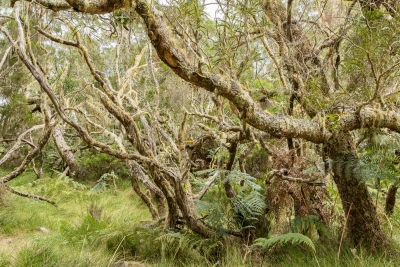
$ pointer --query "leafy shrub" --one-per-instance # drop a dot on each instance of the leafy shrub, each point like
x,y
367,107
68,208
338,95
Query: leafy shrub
x,y
95,164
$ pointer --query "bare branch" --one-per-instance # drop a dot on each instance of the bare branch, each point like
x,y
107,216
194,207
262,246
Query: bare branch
x,y
18,143
5,56
83,133
28,195
29,157
207,185
282,173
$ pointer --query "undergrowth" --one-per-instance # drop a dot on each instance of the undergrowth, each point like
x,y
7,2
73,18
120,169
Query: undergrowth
x,y
89,228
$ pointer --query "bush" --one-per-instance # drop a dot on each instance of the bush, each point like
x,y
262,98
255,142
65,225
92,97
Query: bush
x,y
94,164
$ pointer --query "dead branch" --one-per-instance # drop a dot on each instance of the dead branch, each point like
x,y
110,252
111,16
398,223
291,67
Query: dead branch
x,y
28,195
207,185
283,174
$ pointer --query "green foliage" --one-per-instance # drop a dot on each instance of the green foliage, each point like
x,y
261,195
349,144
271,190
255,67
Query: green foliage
x,y
124,238
248,209
244,180
377,160
150,94
63,187
373,46
37,256
4,262
373,14
95,164
121,18
293,238
89,232
188,248
137,242
102,183
307,224
257,162
212,215
69,85
49,252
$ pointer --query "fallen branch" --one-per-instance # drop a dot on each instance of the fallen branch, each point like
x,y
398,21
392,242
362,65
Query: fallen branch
x,y
28,195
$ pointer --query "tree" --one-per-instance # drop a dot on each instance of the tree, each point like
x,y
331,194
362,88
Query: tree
x,y
341,72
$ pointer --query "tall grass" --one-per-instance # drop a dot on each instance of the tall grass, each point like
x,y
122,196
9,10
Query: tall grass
x,y
73,239
99,229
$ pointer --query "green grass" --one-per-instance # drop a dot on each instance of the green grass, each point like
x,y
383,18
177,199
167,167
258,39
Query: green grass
x,y
88,229
72,240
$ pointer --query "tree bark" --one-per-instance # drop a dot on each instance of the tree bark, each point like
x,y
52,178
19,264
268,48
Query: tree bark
x,y
391,199
362,220
153,188
65,151
143,196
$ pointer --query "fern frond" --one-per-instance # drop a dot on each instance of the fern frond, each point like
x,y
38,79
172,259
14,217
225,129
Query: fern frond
x,y
248,181
293,238
304,224
249,209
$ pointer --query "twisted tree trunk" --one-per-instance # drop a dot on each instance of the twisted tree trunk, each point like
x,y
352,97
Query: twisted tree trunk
x,y
362,220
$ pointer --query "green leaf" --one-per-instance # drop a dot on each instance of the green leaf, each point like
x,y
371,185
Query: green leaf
x,y
293,238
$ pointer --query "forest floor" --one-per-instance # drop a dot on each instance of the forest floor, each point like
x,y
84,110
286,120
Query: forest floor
x,y
105,228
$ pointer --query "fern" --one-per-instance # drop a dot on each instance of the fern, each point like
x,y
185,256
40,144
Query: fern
x,y
306,224
68,180
293,238
88,232
248,209
212,215
244,179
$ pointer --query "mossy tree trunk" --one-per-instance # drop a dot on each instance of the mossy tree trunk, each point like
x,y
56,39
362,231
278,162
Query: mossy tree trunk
x,y
361,220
